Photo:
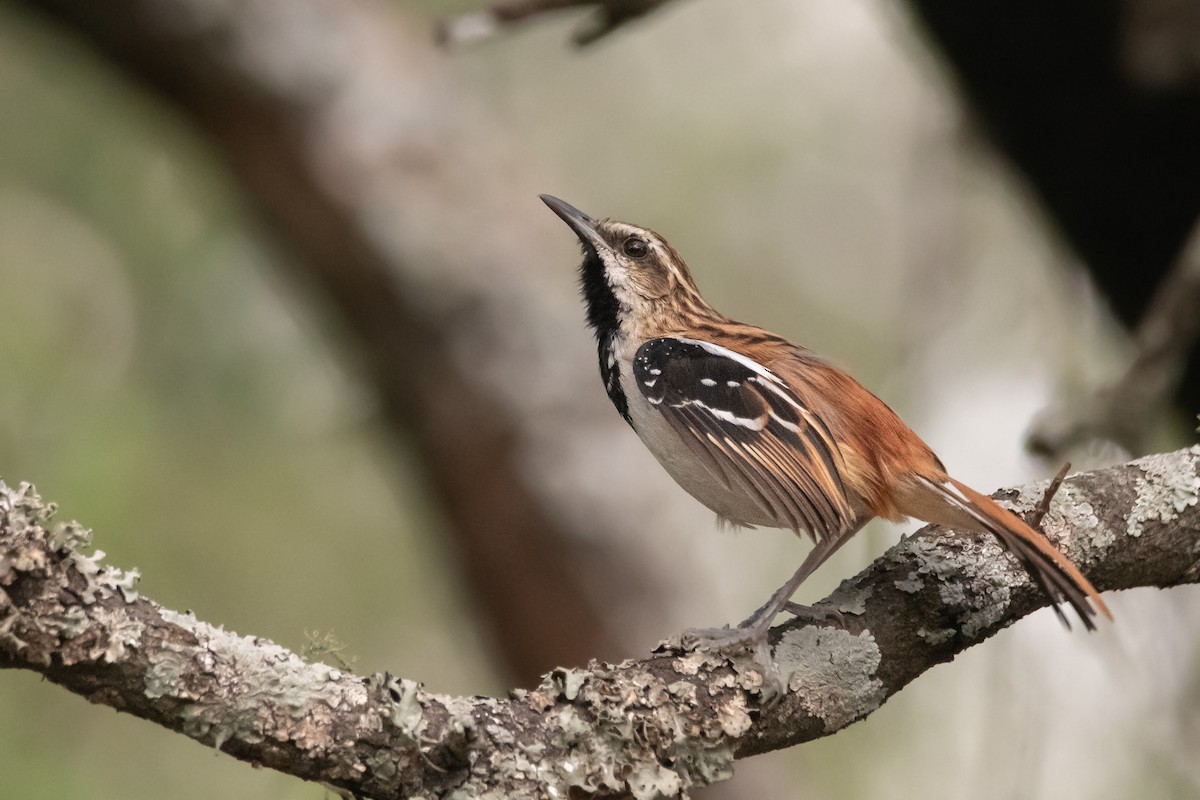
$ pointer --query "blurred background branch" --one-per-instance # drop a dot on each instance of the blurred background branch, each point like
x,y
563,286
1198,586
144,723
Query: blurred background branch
x,y
1128,410
1098,106
607,16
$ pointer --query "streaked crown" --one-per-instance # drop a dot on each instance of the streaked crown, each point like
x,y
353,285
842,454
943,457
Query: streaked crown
x,y
630,277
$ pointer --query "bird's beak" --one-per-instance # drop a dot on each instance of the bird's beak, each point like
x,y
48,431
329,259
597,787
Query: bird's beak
x,y
584,226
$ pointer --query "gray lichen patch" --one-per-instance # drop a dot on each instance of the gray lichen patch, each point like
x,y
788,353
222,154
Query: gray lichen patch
x,y
22,520
936,636
691,663
168,665
636,731
568,681
834,671
1071,522
54,626
649,780
248,688
1073,518
1168,485
735,720
974,577
53,623
70,536
984,597
932,558
851,598
101,580
407,713
22,508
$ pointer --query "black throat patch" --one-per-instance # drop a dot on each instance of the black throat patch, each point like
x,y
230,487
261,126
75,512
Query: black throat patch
x,y
603,311
602,304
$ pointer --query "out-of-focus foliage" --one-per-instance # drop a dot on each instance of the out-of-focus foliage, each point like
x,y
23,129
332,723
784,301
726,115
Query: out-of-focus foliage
x,y
165,381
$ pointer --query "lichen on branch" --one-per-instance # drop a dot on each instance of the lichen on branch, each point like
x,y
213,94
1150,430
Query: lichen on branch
x,y
654,727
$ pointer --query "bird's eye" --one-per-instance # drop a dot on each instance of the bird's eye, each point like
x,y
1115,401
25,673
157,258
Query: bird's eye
x,y
635,247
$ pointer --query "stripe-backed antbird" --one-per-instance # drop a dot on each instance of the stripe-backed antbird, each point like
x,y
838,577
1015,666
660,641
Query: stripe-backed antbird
x,y
763,431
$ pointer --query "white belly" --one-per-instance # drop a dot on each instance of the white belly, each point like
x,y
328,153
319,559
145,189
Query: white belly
x,y
729,502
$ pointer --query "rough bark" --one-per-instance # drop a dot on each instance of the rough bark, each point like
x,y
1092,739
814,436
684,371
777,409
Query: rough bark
x,y
653,727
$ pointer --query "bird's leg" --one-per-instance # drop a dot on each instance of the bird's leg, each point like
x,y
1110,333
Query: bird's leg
x,y
781,600
754,628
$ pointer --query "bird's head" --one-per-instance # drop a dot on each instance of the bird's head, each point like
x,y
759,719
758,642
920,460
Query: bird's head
x,y
630,276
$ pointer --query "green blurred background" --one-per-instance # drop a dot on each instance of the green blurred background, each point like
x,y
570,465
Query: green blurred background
x,y
168,385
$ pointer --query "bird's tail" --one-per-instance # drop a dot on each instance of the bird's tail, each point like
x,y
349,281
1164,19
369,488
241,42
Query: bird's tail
x,y
1060,579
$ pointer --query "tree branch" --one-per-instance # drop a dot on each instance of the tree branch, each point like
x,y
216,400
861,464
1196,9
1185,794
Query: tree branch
x,y
653,727
500,17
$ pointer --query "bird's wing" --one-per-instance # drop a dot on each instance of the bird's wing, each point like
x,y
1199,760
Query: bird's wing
x,y
749,429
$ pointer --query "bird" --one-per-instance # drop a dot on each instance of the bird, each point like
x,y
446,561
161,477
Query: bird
x,y
766,433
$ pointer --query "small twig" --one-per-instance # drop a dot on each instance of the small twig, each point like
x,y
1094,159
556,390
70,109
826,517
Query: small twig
x,y
1126,410
500,17
1043,507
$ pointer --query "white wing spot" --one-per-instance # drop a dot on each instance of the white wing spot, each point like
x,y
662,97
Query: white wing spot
x,y
732,384
784,396
651,382
789,425
753,423
708,381
656,371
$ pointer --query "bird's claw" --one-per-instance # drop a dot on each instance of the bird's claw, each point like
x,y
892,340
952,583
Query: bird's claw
x,y
722,638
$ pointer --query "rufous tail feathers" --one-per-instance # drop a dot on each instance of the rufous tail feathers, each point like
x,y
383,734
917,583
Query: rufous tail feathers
x,y
1060,579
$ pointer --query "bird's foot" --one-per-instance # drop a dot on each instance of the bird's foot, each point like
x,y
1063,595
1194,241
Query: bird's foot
x,y
752,639
724,638
751,633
